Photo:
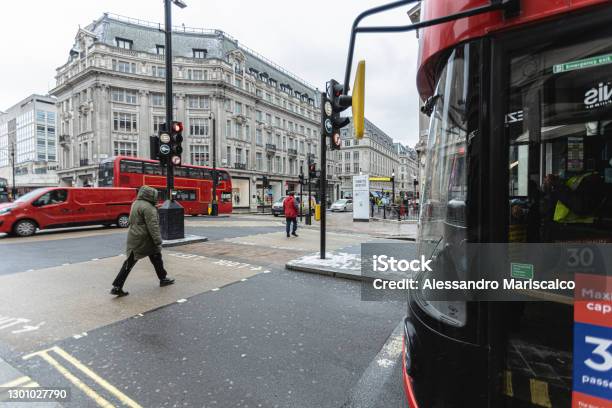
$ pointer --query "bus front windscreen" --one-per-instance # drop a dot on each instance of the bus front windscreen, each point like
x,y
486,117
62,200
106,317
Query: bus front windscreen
x,y
105,174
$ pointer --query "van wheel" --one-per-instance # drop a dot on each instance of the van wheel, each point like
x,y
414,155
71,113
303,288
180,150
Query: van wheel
x,y
275,214
123,221
25,228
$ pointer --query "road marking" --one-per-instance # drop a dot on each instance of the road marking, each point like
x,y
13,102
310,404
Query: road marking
x,y
16,383
10,322
243,280
181,301
366,392
44,354
215,289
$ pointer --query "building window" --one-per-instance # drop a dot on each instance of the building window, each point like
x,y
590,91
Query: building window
x,y
347,167
199,155
158,99
198,126
268,119
259,161
258,116
199,53
228,155
238,83
228,128
124,66
124,95
237,108
347,155
347,142
247,133
159,72
355,167
277,164
161,50
239,155
125,149
196,74
238,131
199,102
247,153
124,122
355,156
124,43
258,137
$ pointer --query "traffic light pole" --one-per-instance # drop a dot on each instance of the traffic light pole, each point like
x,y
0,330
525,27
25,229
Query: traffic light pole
x,y
171,213
214,211
302,195
309,215
322,186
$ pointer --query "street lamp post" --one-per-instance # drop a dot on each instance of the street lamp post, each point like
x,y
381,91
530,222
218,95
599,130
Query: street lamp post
x,y
171,213
14,190
214,211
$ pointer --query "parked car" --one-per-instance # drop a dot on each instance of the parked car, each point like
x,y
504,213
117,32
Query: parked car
x,y
60,207
345,204
277,207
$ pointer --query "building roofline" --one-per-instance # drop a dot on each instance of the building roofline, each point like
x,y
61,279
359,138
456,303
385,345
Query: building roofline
x,y
47,98
204,31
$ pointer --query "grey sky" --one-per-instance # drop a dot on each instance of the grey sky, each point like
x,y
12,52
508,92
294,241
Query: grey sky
x,y
294,34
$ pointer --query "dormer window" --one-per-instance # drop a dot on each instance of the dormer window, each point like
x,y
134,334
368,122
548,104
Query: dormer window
x,y
124,43
199,53
161,50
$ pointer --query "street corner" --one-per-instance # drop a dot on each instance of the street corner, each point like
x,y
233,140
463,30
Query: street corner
x,y
336,264
74,298
306,241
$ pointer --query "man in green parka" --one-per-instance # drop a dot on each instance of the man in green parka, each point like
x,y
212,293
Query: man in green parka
x,y
144,239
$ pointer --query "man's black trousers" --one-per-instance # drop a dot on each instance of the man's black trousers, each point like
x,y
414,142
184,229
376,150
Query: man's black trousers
x,y
156,260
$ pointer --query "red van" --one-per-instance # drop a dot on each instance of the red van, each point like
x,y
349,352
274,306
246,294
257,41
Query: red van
x,y
60,207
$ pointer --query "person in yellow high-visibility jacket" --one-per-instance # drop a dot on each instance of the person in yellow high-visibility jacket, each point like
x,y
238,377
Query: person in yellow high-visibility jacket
x,y
563,213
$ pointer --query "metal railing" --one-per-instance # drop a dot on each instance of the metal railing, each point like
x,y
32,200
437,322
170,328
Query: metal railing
x,y
394,212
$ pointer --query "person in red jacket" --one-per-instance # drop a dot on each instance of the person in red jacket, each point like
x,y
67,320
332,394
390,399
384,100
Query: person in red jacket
x,y
290,207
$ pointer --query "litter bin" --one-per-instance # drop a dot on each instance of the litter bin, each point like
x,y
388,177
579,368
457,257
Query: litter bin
x,y
317,212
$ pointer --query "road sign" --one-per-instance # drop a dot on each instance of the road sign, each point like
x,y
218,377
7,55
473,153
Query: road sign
x,y
583,63
164,149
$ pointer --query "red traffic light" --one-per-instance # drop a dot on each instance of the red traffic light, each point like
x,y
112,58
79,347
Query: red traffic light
x,y
177,127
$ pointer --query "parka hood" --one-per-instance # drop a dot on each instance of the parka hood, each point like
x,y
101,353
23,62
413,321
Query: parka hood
x,y
148,194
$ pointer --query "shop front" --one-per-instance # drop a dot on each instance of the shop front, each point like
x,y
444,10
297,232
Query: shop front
x,y
241,191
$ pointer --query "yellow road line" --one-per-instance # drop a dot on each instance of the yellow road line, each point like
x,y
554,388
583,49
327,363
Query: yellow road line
x,y
101,381
15,383
72,378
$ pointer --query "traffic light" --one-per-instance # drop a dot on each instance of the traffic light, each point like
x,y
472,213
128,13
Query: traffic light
x,y
163,145
176,136
264,181
301,179
333,102
312,170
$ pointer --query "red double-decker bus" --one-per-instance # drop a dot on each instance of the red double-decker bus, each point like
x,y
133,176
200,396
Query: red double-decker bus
x,y
520,106
192,184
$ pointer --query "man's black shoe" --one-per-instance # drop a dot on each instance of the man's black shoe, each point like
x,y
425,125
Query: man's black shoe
x,y
119,292
166,282
294,234
287,235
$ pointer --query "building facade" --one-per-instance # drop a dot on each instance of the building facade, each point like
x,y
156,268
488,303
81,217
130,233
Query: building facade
x,y
111,98
374,155
28,133
408,171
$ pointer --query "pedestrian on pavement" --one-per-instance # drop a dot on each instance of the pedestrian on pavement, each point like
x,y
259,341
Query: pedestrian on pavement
x,y
290,207
144,239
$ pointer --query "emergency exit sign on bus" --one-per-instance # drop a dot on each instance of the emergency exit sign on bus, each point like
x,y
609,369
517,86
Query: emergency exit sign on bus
x,y
583,63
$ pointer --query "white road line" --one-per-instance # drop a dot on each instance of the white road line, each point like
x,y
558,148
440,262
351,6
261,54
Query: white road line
x,y
181,301
215,289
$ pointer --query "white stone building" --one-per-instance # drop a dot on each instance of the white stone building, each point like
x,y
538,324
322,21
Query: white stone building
x,y
374,155
408,170
111,98
29,127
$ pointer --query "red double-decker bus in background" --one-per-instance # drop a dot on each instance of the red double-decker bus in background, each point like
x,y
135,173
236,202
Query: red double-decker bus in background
x,y
192,184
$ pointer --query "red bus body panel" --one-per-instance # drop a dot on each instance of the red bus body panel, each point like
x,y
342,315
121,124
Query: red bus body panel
x,y
435,39
83,206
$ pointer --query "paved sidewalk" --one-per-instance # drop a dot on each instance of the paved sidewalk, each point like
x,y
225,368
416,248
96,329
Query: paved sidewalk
x,y
11,378
47,305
